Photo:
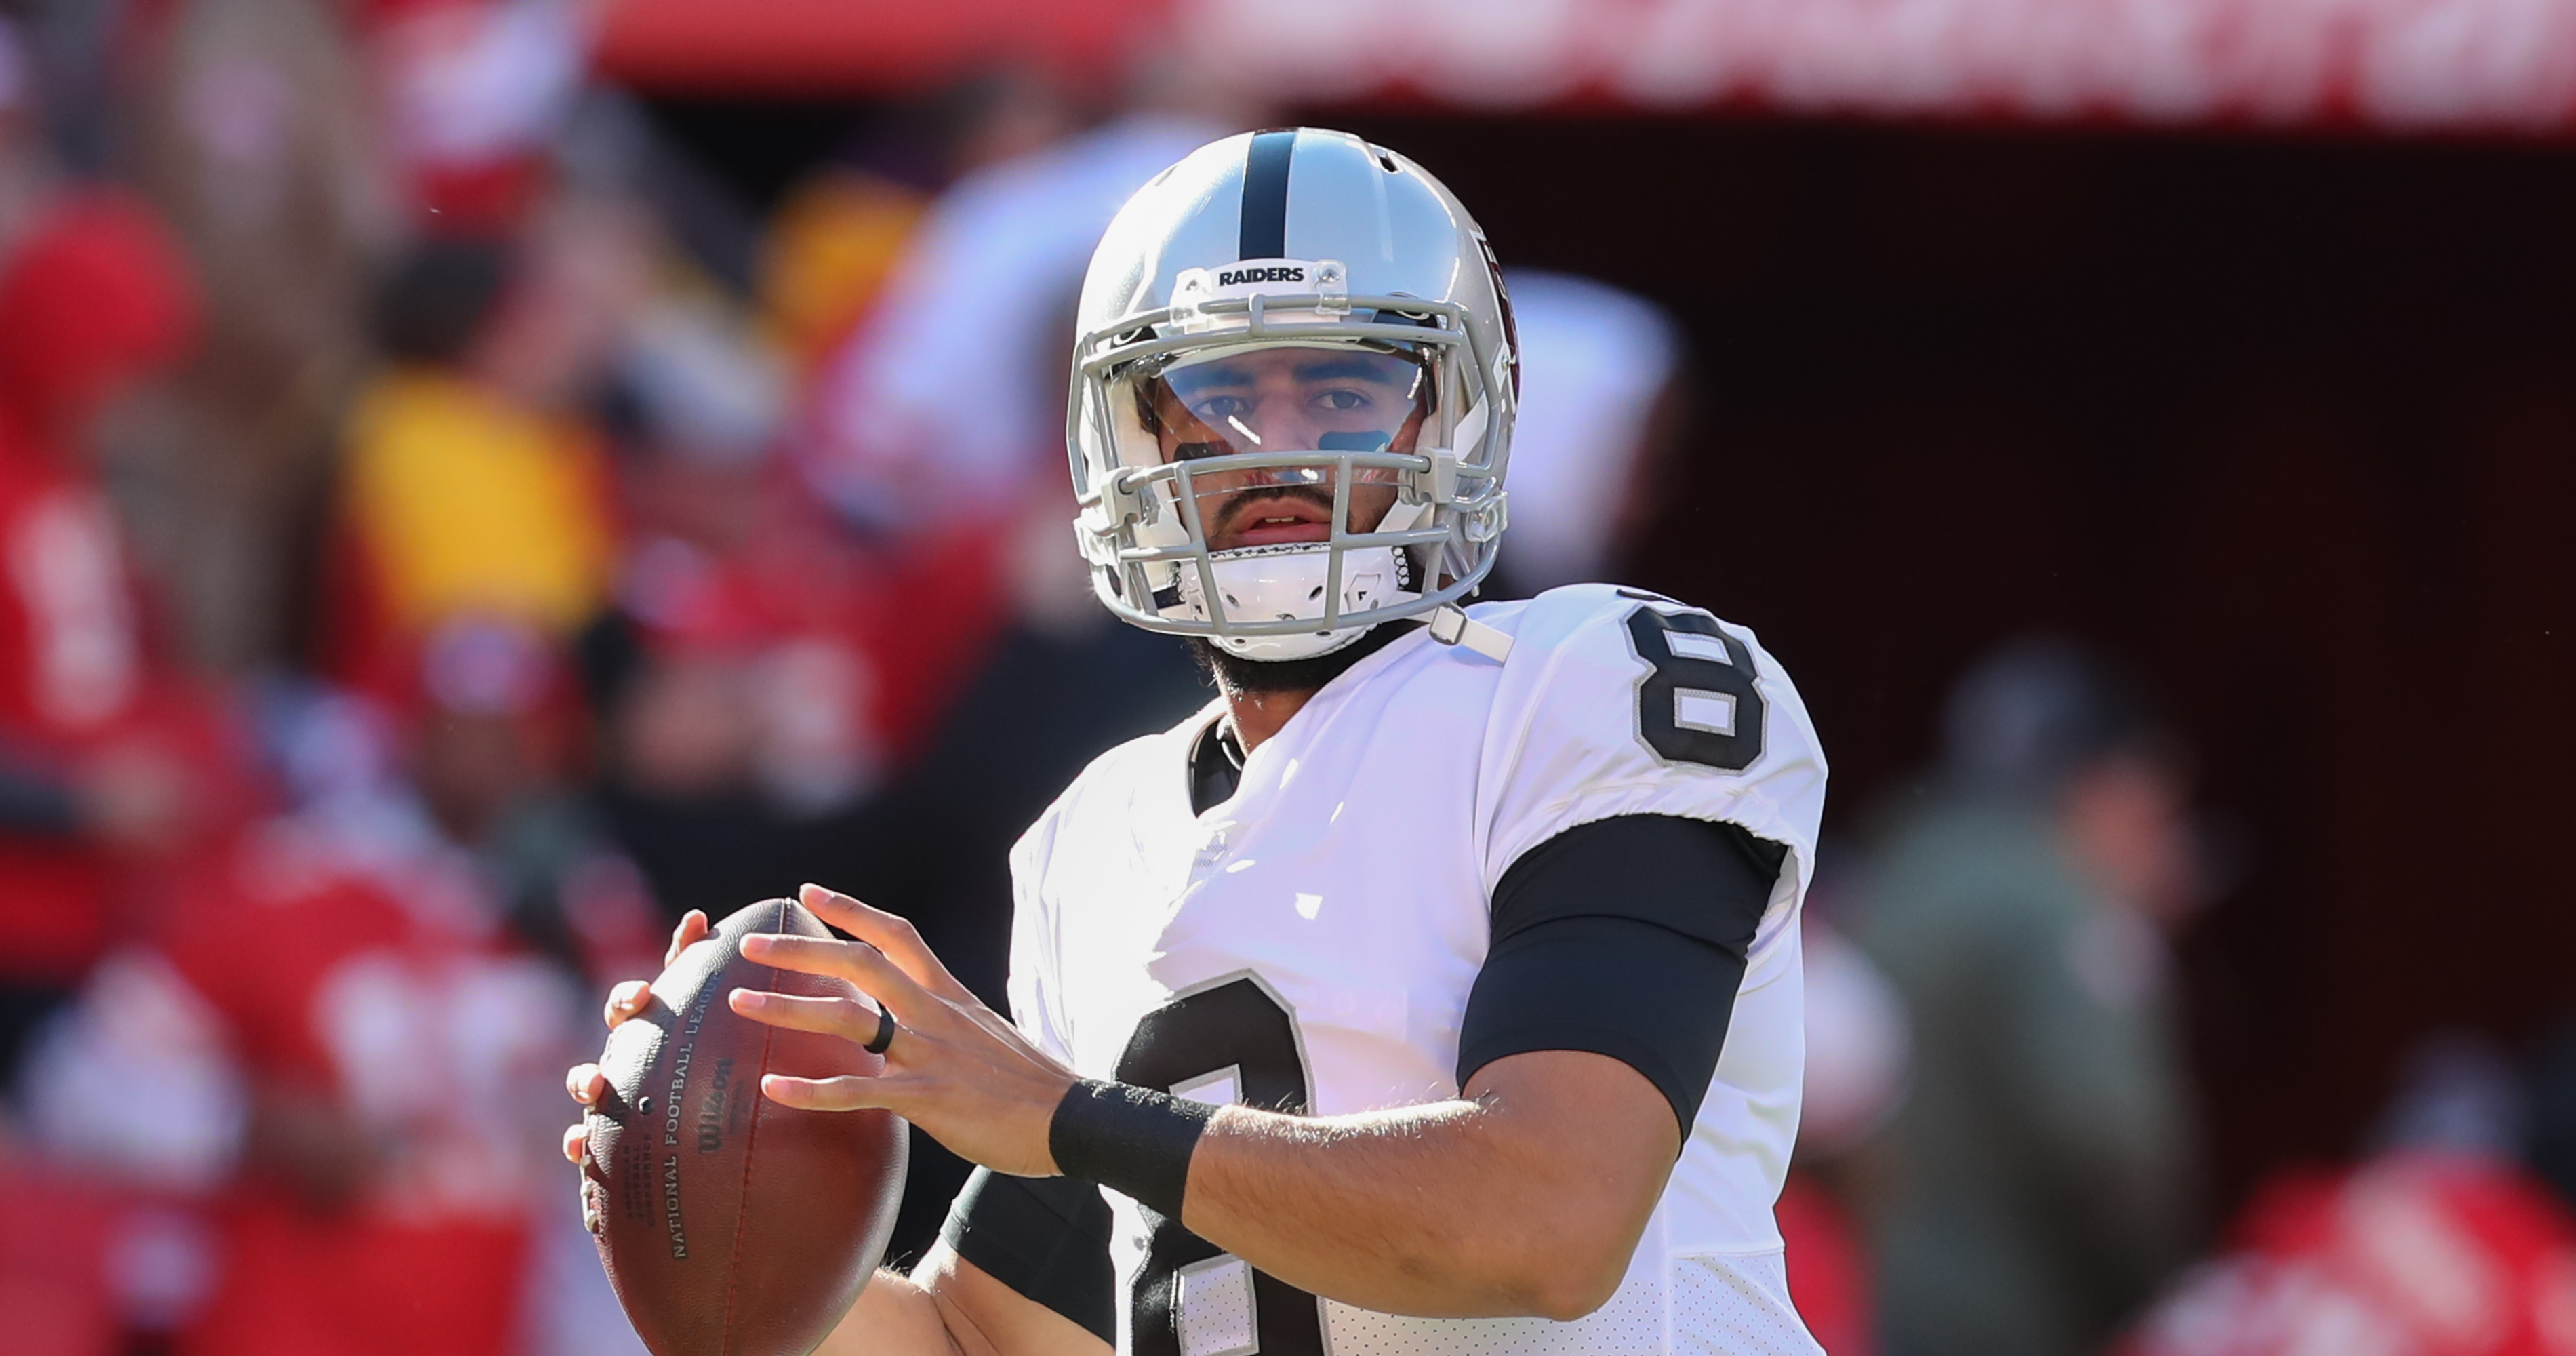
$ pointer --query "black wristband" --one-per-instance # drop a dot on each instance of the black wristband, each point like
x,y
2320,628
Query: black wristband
x,y
1129,1139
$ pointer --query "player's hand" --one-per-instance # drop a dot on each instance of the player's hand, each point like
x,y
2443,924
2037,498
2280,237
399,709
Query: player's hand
x,y
584,1081
956,1068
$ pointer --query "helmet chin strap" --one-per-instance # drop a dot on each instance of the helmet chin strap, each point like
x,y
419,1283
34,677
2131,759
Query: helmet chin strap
x,y
1286,583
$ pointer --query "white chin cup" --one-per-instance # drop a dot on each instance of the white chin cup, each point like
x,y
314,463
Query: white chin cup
x,y
1286,583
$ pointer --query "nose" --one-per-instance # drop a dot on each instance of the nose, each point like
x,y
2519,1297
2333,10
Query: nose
x,y
1281,422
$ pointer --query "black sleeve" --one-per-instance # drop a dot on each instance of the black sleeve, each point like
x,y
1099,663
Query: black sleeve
x,y
1624,937
1046,1238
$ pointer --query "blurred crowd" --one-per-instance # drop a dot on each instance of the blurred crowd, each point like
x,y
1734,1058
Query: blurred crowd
x,y
449,533
1999,1156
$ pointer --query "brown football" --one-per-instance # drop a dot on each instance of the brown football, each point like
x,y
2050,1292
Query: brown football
x,y
731,1225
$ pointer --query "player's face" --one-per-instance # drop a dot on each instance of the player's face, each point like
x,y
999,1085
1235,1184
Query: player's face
x,y
1289,400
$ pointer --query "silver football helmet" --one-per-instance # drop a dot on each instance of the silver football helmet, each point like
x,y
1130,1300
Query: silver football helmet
x,y
1292,395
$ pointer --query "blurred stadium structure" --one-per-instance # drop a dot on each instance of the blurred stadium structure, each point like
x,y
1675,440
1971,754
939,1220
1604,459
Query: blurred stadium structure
x,y
2394,64
589,460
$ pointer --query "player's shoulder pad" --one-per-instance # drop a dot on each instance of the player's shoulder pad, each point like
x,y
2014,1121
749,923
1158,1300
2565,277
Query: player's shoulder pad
x,y
1621,701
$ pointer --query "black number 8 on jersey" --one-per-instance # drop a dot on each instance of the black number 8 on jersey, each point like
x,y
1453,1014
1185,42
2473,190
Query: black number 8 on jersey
x,y
1231,1040
1699,704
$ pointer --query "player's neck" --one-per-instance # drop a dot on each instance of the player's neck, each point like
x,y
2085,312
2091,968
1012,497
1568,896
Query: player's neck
x,y
1256,716
1262,696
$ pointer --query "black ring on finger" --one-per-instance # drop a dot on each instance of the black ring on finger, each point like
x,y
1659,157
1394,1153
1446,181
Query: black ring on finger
x,y
885,1033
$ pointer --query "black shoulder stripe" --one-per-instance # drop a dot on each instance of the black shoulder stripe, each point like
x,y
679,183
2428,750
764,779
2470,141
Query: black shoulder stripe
x,y
1265,196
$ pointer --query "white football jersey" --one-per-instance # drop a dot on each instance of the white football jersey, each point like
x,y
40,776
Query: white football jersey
x,y
1310,943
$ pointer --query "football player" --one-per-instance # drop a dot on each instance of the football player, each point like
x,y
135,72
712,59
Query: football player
x,y
1436,989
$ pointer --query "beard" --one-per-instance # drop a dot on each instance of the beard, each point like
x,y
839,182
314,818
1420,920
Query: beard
x,y
1233,673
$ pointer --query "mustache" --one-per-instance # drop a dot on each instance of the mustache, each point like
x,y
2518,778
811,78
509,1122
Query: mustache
x,y
1247,501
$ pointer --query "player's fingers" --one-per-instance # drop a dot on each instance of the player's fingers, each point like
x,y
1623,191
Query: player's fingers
x,y
890,933
586,1083
576,1142
693,928
626,1000
845,1093
844,1017
859,963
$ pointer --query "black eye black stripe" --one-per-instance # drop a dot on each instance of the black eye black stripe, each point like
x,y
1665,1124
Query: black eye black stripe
x,y
1265,196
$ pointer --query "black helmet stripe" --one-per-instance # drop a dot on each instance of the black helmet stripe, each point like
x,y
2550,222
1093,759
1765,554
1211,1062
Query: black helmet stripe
x,y
1265,196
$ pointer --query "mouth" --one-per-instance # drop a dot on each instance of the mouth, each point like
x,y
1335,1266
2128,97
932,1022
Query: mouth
x,y
1273,520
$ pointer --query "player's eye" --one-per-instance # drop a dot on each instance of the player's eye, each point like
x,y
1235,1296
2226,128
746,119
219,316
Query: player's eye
x,y
1342,400
1218,409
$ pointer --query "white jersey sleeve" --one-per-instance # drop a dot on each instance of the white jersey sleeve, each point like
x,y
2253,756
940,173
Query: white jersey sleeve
x,y
1620,702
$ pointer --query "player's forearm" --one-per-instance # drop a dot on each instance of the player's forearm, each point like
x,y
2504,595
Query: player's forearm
x,y
1447,1210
